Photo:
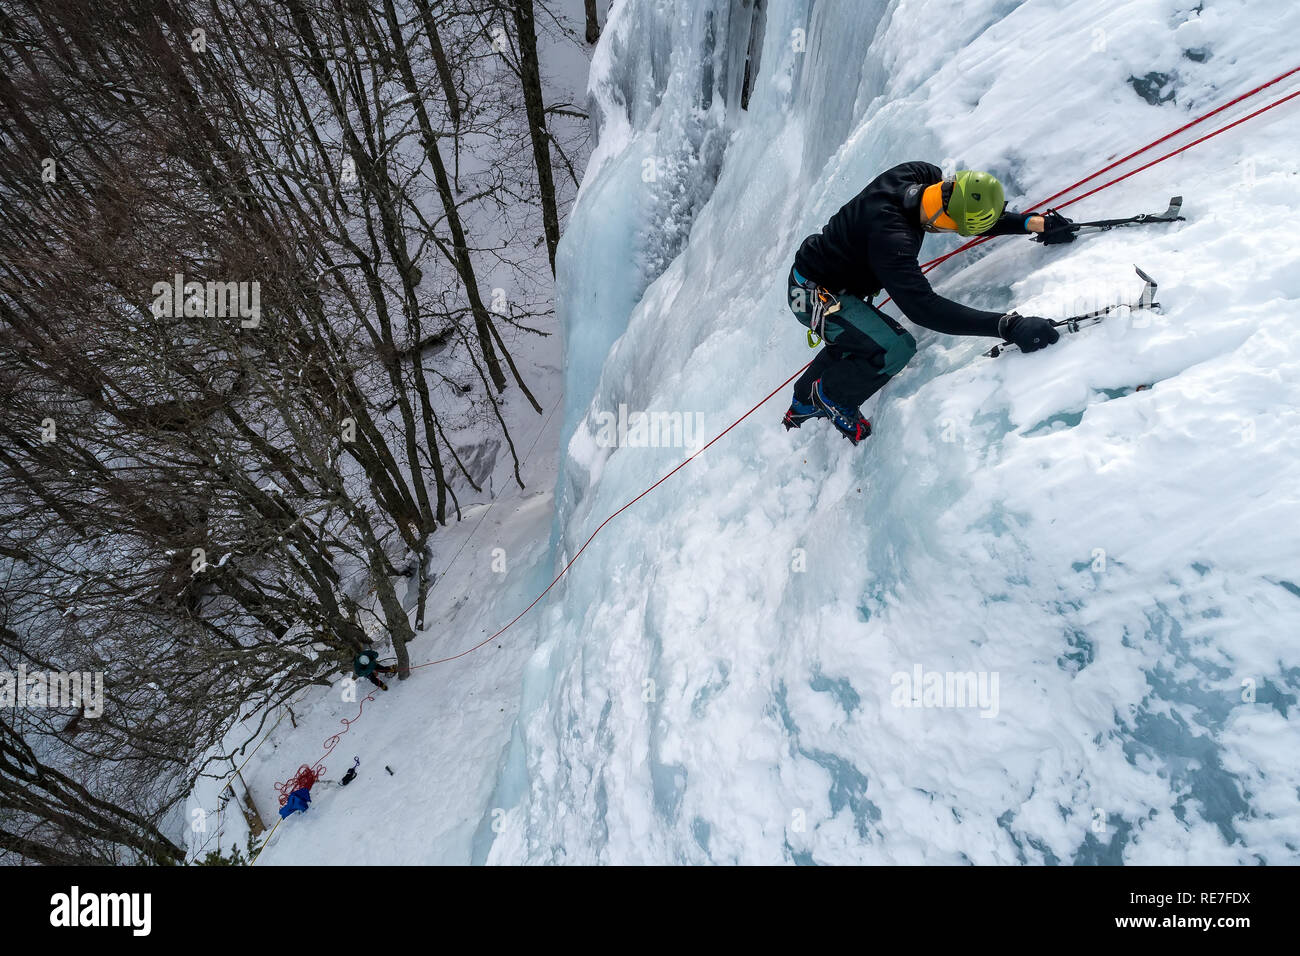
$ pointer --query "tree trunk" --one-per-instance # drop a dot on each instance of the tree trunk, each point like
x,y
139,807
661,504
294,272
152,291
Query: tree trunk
x,y
593,25
460,246
531,79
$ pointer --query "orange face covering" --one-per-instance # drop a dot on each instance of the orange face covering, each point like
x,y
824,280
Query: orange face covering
x,y
932,214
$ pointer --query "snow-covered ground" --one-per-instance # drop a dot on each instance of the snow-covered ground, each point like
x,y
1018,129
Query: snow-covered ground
x,y
724,675
442,732
438,733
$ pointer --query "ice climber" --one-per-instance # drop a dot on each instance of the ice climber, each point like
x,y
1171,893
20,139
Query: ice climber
x,y
366,664
872,244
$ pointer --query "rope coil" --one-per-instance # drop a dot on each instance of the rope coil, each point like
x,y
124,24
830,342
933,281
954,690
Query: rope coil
x,y
305,777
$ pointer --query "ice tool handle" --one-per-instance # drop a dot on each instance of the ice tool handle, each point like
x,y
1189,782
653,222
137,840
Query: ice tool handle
x,y
1172,214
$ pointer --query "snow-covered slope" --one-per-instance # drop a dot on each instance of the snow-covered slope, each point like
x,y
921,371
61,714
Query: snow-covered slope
x,y
429,747
722,675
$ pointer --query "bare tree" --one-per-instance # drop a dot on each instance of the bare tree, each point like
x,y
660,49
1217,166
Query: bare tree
x,y
212,511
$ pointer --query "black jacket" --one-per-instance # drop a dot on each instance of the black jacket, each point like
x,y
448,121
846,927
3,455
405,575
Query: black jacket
x,y
364,664
873,243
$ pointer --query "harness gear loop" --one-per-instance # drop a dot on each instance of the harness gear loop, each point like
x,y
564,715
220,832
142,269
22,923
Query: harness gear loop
x,y
824,303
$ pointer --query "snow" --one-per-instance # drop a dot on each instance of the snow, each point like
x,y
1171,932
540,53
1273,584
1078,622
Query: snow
x,y
964,535
714,680
427,810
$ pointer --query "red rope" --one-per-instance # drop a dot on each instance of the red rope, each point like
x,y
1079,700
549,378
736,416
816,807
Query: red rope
x,y
1182,129
935,263
313,773
565,569
318,768
1181,149
305,777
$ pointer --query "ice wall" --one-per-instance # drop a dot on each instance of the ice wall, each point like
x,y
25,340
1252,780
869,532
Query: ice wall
x,y
724,674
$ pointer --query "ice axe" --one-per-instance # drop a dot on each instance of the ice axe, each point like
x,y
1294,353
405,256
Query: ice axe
x,y
1103,225
1147,300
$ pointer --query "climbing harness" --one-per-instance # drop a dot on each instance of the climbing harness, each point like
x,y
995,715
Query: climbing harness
x,y
822,303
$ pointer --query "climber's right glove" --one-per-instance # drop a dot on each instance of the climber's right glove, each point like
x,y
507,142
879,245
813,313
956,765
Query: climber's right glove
x,y
1028,332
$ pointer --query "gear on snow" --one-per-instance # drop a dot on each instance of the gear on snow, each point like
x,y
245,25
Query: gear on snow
x,y
352,772
295,796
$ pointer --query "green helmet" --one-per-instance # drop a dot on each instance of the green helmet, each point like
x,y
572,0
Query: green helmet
x,y
976,203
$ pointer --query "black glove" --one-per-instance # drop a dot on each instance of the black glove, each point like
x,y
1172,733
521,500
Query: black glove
x,y
1029,332
1056,229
